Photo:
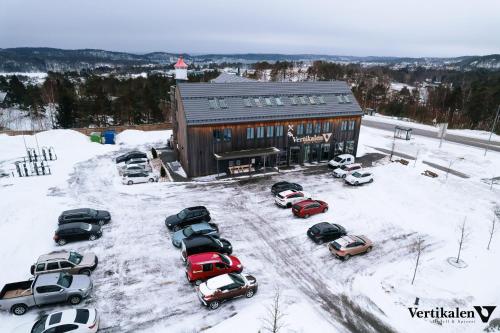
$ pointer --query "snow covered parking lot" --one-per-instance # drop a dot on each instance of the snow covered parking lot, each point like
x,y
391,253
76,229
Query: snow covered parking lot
x,y
140,284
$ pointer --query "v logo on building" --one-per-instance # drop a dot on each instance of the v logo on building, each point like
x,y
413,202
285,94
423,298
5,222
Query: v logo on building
x,y
327,136
489,309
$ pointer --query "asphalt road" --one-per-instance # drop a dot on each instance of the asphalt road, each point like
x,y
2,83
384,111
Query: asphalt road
x,y
493,145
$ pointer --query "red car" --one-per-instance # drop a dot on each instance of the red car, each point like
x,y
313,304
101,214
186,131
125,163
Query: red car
x,y
307,208
209,264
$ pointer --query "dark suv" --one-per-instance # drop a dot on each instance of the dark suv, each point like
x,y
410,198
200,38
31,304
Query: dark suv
x,y
187,217
325,232
71,232
205,243
284,186
86,215
130,155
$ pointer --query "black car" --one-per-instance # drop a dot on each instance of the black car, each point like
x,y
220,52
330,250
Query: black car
x,y
72,232
325,232
130,155
187,217
205,243
86,215
285,186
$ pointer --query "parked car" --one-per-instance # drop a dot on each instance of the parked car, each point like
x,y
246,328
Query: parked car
x,y
307,208
50,288
67,262
286,199
86,215
225,287
198,229
346,169
135,168
209,264
131,178
350,245
136,161
72,232
358,178
187,216
341,160
284,186
202,244
325,232
130,155
72,320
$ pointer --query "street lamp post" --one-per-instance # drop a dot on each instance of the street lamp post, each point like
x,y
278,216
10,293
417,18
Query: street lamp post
x,y
492,130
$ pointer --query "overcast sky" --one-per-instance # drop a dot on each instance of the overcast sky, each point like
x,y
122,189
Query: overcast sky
x,y
347,27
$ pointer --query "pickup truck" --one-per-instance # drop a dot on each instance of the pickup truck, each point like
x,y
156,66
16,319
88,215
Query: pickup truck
x,y
44,289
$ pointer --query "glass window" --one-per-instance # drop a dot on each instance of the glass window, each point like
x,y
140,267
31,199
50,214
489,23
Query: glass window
x,y
300,129
66,264
303,100
309,128
339,148
270,131
268,101
279,131
250,133
349,147
279,102
82,316
217,135
343,125
321,100
40,267
227,134
260,132
52,265
346,99
56,318
352,125
247,102
326,127
258,102
312,100
293,100
317,128
222,103
340,99
213,103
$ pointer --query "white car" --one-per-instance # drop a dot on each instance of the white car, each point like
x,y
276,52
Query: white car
x,y
286,199
359,177
72,321
139,177
341,160
135,168
344,170
140,161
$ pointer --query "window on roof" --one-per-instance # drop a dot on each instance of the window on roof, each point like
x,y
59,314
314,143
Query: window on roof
x,y
222,103
247,102
278,100
340,99
303,100
321,100
293,100
346,99
312,100
213,103
258,102
268,101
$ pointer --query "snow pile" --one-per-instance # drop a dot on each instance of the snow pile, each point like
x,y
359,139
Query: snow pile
x,y
136,137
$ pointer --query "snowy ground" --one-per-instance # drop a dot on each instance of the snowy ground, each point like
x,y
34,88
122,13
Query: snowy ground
x,y
140,284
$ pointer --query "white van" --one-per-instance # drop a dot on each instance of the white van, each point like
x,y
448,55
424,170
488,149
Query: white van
x,y
341,160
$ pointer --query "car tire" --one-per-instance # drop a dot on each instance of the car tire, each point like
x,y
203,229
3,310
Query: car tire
x,y
347,257
92,237
19,309
356,183
371,181
288,205
75,300
250,293
85,271
151,180
369,249
130,182
197,282
101,222
61,242
213,305
306,216
176,228
343,176
325,210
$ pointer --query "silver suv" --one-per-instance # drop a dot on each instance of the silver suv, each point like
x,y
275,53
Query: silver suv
x,y
67,262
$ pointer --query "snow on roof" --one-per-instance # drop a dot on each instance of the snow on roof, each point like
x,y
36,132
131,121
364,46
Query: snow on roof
x,y
345,240
228,78
219,281
180,63
287,193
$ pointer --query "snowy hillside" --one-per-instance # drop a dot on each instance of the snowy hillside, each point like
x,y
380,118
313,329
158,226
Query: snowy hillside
x,y
140,284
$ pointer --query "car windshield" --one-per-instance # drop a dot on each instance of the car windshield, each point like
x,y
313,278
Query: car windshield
x,y
315,230
336,246
225,259
39,326
65,280
188,231
93,212
280,196
237,279
182,214
344,167
356,174
75,258
337,159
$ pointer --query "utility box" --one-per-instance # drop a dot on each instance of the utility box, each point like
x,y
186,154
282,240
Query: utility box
x,y
108,137
95,137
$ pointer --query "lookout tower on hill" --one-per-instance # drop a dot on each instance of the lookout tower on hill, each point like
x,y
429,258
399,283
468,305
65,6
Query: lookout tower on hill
x,y
180,70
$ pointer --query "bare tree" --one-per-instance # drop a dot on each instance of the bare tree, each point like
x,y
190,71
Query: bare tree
x,y
463,237
492,230
273,323
418,247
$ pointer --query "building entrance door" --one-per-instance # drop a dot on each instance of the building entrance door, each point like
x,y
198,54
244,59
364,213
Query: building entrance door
x,y
294,155
307,152
315,153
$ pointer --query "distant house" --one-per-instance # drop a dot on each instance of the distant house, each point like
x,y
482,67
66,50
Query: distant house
x,y
228,78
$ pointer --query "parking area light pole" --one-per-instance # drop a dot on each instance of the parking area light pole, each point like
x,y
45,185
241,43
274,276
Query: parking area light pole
x,y
492,130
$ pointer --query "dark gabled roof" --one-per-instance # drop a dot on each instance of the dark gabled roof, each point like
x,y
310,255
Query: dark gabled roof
x,y
195,98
